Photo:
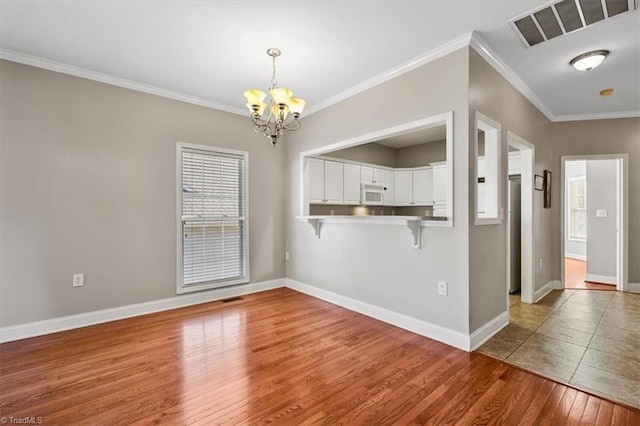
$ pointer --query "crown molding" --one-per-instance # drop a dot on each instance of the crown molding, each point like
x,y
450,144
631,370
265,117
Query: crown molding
x,y
499,65
418,61
597,116
470,39
47,64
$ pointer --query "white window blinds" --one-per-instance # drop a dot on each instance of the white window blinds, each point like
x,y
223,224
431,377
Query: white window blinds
x,y
213,218
578,208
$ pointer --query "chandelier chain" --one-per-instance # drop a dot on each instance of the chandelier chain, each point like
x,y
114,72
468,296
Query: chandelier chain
x,y
274,81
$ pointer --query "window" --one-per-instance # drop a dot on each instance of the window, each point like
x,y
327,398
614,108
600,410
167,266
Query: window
x,y
578,208
212,218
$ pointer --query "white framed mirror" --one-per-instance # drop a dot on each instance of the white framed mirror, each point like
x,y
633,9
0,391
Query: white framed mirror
x,y
487,157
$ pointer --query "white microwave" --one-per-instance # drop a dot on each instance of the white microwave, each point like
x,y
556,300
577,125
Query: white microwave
x,y
372,195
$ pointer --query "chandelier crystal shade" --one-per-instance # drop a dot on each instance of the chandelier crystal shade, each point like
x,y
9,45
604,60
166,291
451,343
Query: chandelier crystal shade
x,y
280,113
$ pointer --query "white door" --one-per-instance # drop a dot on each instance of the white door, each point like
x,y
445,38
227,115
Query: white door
x,y
333,182
351,184
315,169
423,187
403,187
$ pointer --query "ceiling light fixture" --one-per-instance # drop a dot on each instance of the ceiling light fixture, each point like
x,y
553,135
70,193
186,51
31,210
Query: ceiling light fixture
x,y
590,60
280,105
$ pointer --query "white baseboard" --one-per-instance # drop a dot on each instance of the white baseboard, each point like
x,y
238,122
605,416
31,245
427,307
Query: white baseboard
x,y
602,279
634,288
542,292
442,334
488,330
54,325
576,256
557,285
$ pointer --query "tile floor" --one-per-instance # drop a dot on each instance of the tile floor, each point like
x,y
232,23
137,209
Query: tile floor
x,y
586,338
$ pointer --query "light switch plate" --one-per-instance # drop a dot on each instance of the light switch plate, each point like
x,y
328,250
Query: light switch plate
x,y
442,288
601,213
78,280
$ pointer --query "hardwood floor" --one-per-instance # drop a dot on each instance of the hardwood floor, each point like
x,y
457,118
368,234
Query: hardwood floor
x,y
574,274
276,357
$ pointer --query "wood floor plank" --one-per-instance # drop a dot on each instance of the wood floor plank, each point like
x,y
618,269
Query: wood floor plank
x,y
276,357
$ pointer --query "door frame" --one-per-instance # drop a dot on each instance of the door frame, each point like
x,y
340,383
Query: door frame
x,y
622,216
527,158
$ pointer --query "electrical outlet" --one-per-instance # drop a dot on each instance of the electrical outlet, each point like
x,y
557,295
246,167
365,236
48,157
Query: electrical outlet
x,y
78,280
540,263
442,288
286,255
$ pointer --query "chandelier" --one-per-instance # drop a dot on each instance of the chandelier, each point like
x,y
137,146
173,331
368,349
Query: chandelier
x,y
279,106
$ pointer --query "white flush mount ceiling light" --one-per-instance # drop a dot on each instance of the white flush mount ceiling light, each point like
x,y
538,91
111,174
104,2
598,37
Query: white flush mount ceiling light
x,y
280,104
590,60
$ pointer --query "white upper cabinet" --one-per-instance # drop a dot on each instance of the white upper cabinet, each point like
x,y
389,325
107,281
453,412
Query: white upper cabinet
x,y
440,189
372,175
403,187
352,184
423,187
315,169
389,188
414,187
325,181
333,182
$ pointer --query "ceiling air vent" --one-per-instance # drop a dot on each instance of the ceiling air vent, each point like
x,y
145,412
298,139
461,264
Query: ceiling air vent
x,y
566,16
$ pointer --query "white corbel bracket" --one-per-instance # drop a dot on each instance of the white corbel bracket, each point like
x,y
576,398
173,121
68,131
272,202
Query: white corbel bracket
x,y
415,227
315,223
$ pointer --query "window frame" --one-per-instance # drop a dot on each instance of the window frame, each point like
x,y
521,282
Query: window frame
x,y
493,164
575,179
180,287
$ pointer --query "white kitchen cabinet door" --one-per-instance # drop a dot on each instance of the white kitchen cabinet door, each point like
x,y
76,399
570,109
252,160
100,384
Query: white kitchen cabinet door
x,y
378,176
403,184
351,184
389,188
440,190
372,176
366,175
423,187
333,182
315,169
440,184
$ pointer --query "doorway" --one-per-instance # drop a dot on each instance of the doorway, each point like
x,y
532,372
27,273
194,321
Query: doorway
x,y
520,220
594,217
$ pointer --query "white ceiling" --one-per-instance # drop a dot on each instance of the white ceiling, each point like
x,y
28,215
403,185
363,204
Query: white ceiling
x,y
211,51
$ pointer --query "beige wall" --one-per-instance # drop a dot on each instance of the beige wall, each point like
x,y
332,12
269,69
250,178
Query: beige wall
x,y
600,137
496,98
376,264
421,155
88,185
371,153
